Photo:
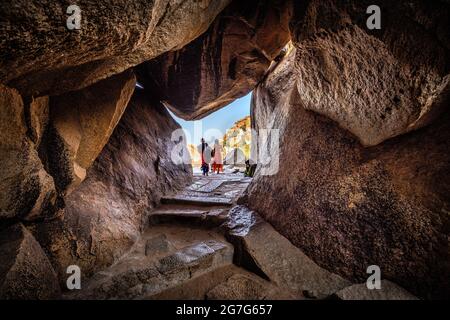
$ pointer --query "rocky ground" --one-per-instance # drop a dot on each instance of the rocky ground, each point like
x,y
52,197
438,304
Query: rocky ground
x,y
362,116
201,244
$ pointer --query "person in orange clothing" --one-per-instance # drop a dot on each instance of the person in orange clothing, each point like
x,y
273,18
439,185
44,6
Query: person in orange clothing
x,y
217,157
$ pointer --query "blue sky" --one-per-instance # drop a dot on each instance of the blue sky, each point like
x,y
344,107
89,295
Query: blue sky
x,y
215,124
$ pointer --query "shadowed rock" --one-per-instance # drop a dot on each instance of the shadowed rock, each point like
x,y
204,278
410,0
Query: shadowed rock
x,y
347,206
41,56
280,260
106,213
388,291
81,123
246,287
26,190
25,271
224,63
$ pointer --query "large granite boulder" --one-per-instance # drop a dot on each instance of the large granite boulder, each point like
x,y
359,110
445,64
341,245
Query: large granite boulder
x,y
277,258
347,206
377,84
26,190
224,63
41,56
25,271
104,216
80,125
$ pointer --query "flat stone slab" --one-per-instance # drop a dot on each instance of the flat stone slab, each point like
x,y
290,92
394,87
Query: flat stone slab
x,y
388,291
209,186
199,254
247,287
139,276
211,218
195,200
281,261
156,245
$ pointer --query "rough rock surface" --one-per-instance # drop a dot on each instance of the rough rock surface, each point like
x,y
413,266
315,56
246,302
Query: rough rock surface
x,y
26,190
376,84
388,291
224,63
40,56
81,123
105,214
247,287
149,273
347,206
25,271
278,259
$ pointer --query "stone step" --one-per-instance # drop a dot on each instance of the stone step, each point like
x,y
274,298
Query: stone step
x,y
139,276
260,248
206,186
229,282
195,216
244,285
204,201
387,291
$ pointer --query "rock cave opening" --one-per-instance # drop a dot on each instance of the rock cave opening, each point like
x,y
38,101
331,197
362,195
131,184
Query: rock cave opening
x,y
346,127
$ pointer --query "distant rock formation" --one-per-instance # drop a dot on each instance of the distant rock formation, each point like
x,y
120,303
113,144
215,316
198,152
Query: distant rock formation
x,y
237,142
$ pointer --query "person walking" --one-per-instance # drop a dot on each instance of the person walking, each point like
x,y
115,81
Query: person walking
x,y
217,158
205,152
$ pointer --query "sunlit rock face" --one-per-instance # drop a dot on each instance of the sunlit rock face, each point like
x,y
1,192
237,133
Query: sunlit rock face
x,y
41,56
224,63
104,216
347,205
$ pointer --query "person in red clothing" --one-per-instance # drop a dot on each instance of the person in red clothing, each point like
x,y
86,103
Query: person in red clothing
x,y
217,157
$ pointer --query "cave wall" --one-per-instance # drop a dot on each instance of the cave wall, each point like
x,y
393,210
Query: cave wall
x,y
41,56
224,63
62,94
375,83
362,114
364,137
92,219
104,216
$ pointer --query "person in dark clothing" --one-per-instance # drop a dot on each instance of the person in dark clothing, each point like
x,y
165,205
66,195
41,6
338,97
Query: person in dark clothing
x,y
250,168
205,152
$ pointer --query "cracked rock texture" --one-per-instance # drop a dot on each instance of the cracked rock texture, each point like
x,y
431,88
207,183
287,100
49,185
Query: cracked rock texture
x,y
224,63
40,56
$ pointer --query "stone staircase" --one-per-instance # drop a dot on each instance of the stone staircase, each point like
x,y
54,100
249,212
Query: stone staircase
x,y
182,247
164,257
197,247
